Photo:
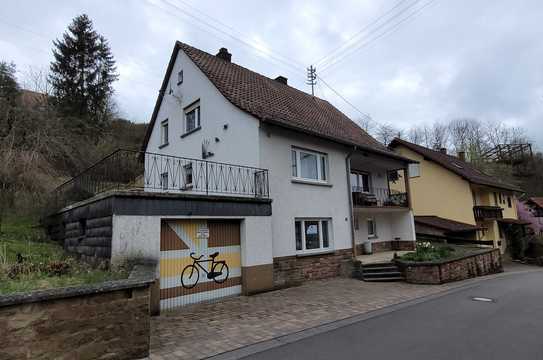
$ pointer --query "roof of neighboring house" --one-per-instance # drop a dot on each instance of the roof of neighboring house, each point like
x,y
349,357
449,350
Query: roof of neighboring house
x,y
457,166
538,201
445,224
274,102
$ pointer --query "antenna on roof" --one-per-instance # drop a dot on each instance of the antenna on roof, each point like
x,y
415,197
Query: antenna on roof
x,y
312,78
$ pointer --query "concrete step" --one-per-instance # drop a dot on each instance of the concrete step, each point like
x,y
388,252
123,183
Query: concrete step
x,y
385,279
379,269
386,271
379,264
395,273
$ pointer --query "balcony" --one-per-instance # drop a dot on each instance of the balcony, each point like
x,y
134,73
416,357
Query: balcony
x,y
378,197
487,212
136,170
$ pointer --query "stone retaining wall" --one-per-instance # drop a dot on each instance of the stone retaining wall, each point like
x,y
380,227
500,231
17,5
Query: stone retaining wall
x,y
294,270
483,262
104,321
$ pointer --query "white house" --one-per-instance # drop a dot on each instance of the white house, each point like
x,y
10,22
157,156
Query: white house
x,y
269,185
315,155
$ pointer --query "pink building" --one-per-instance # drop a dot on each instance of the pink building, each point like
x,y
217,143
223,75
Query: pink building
x,y
531,210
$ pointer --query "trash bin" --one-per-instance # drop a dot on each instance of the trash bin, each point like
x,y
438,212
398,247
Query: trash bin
x,y
367,248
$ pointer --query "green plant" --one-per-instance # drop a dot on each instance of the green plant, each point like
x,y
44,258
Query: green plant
x,y
426,251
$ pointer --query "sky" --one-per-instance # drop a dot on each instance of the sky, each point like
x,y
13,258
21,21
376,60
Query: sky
x,y
403,62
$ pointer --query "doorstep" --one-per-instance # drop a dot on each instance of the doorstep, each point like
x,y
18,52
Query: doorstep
x,y
380,257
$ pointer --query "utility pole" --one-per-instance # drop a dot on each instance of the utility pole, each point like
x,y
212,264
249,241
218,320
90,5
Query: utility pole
x,y
312,78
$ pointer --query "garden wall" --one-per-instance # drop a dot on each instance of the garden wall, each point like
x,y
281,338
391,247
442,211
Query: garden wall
x,y
479,263
107,321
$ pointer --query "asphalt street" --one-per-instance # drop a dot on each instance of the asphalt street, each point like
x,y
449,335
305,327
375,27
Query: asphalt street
x,y
454,326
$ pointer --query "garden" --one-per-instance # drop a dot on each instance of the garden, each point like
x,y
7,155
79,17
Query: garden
x,y
28,261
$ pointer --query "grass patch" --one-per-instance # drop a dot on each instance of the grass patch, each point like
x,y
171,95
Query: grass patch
x,y
29,262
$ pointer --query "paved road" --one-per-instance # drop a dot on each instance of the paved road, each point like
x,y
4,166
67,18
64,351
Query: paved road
x,y
450,327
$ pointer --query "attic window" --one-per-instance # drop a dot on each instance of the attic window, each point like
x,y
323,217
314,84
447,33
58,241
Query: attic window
x,y
180,77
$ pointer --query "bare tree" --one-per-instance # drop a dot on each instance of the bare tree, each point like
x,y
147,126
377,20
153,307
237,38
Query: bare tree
x,y
385,133
439,135
36,79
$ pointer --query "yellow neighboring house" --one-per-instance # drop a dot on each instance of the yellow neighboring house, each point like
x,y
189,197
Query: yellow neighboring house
x,y
452,199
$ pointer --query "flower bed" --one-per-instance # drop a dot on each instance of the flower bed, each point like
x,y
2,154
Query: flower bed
x,y
449,265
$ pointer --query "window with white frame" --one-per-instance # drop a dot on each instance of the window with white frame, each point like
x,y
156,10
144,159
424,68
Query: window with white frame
x,y
414,170
309,165
164,133
372,228
192,117
360,181
164,180
180,77
312,235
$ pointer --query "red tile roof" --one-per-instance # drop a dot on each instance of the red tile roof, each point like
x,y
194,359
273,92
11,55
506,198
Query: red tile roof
x,y
538,201
445,224
457,166
274,102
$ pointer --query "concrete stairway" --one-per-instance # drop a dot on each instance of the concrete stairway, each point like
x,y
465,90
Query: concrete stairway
x,y
387,271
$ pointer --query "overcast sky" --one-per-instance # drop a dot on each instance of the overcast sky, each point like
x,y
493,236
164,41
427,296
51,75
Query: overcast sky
x,y
461,58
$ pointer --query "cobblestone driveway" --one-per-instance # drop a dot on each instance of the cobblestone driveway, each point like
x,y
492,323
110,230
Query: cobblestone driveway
x,y
203,330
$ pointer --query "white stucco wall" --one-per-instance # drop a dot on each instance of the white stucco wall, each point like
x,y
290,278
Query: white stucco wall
x,y
135,236
237,145
293,200
389,226
256,241
139,236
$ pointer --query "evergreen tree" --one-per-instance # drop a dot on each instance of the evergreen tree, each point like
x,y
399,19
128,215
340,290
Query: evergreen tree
x,y
83,72
9,89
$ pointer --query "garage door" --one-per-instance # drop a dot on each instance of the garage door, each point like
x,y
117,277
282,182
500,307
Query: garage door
x,y
199,261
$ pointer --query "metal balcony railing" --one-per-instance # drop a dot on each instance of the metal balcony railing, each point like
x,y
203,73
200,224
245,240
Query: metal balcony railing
x,y
378,197
127,169
487,212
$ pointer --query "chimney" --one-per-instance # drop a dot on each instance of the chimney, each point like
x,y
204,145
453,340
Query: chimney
x,y
224,54
282,79
443,150
462,155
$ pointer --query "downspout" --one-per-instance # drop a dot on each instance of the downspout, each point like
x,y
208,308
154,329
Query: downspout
x,y
350,196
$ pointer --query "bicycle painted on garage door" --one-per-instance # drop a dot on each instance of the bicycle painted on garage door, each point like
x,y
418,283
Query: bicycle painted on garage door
x,y
191,273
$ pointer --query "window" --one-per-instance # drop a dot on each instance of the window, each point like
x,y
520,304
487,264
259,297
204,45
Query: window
x,y
188,175
164,133
360,182
312,235
192,117
180,77
164,180
372,228
509,202
414,170
309,165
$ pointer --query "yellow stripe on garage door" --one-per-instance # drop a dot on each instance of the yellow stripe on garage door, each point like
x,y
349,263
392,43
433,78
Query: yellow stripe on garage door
x,y
173,267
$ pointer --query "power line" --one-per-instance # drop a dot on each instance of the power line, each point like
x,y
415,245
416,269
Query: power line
x,y
331,53
365,115
267,56
370,32
382,34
